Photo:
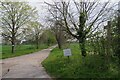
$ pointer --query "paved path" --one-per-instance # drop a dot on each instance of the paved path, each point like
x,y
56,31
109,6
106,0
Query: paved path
x,y
26,66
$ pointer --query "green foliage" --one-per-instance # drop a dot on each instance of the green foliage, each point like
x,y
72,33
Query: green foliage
x,y
14,17
48,37
92,66
116,36
20,50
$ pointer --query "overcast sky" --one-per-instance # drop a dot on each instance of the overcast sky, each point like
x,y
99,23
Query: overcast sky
x,y
56,0
41,7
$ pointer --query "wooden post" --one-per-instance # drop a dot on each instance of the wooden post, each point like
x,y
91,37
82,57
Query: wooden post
x,y
68,57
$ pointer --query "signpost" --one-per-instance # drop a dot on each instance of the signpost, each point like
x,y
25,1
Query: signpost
x,y
67,52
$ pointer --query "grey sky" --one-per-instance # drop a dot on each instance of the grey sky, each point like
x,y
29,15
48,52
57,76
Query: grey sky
x,y
41,7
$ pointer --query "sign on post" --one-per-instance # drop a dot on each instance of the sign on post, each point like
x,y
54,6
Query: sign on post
x,y
67,52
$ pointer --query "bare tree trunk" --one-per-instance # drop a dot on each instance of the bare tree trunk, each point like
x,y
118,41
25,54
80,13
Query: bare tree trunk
x,y
13,45
108,54
59,43
82,47
118,38
37,43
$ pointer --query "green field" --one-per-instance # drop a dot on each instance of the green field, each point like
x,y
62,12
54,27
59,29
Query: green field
x,y
93,66
20,50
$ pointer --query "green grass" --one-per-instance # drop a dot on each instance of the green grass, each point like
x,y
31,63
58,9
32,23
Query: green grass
x,y
93,66
20,50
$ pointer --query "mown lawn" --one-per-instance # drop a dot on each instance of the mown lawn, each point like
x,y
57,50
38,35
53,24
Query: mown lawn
x,y
20,50
93,66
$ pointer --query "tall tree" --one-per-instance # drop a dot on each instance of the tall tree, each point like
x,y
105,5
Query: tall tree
x,y
81,18
14,15
34,31
118,33
56,24
59,32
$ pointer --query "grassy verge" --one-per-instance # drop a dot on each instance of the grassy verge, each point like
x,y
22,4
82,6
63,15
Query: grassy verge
x,y
93,66
20,50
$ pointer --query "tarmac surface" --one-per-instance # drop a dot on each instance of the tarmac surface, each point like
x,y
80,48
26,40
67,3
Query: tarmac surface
x,y
26,66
